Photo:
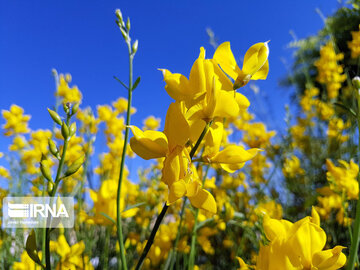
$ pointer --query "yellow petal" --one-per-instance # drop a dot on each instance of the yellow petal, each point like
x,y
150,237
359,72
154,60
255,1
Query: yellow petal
x,y
177,85
243,265
262,73
330,259
225,58
213,138
274,228
315,216
255,58
306,238
176,191
196,128
233,154
177,129
242,101
192,188
226,105
63,247
197,78
204,200
130,213
93,195
149,144
231,168
77,249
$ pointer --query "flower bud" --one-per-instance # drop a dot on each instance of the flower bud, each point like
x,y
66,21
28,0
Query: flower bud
x,y
124,34
72,129
75,166
66,106
75,108
50,187
64,130
55,116
356,82
128,24
135,46
119,15
45,170
52,147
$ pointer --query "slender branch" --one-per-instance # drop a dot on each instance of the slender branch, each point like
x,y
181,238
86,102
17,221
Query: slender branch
x,y
163,211
122,164
202,135
173,253
52,194
152,236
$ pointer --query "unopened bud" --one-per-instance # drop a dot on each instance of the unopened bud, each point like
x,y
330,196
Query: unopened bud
x,y
75,108
356,82
45,170
119,14
55,116
72,129
124,34
75,166
135,46
68,77
128,24
66,106
52,147
64,130
50,187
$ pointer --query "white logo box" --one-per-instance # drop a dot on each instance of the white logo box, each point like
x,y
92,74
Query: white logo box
x,y
38,212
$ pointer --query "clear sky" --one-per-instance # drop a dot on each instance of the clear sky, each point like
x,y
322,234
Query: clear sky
x,y
81,38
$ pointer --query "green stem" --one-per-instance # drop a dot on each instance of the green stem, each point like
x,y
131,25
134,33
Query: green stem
x,y
122,165
105,255
52,194
194,234
356,230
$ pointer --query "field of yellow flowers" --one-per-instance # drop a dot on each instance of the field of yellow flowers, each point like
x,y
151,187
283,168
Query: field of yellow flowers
x,y
221,190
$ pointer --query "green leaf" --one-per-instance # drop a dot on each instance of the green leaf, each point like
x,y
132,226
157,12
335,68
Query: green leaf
x,y
108,217
133,206
30,247
123,84
136,83
351,111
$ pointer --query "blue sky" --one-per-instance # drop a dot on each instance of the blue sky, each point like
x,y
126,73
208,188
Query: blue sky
x,y
81,38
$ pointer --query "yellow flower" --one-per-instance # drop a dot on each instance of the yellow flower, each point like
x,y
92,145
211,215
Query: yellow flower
x,y
233,157
292,167
26,263
71,256
105,202
344,178
329,72
243,265
68,94
206,79
121,105
151,123
354,45
180,178
19,143
255,66
16,121
298,246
